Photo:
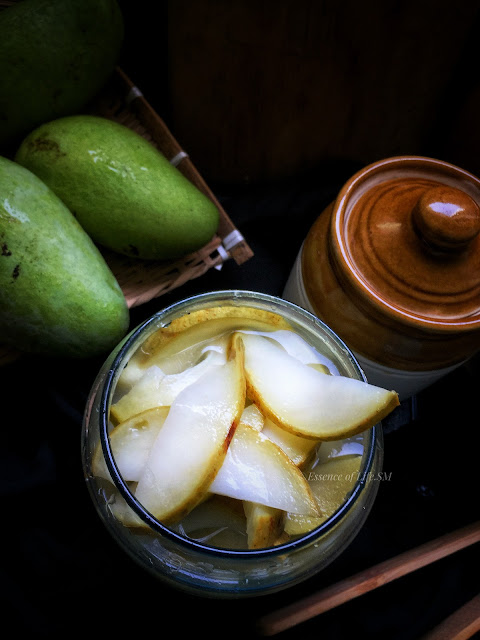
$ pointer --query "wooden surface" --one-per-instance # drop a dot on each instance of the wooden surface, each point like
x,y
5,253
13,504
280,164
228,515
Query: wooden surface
x,y
462,624
260,90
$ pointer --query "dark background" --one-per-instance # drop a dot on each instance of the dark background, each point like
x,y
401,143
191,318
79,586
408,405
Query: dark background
x,y
277,103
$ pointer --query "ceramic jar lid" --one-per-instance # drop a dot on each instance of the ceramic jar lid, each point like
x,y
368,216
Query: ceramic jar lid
x,y
406,236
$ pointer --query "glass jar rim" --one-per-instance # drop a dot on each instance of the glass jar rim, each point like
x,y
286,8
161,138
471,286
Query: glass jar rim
x,y
109,385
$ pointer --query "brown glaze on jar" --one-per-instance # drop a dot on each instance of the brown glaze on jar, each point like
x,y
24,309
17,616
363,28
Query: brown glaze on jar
x,y
393,265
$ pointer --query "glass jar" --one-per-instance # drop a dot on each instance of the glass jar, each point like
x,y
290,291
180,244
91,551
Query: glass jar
x,y
196,567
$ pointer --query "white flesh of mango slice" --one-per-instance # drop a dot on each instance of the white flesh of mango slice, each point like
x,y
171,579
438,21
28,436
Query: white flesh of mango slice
x,y
298,348
300,450
192,444
252,417
264,525
131,442
156,388
130,375
307,402
200,326
176,360
256,470
177,346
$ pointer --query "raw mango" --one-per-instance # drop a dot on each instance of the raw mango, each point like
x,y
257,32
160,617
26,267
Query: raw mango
x,y
55,55
123,191
58,297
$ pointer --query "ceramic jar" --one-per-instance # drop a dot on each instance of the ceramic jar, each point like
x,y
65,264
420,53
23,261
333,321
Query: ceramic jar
x,y
393,266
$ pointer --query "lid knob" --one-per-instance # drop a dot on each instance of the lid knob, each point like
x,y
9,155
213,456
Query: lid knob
x,y
448,219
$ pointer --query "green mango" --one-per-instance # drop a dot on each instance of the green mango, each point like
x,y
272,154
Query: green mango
x,y
58,296
55,55
123,191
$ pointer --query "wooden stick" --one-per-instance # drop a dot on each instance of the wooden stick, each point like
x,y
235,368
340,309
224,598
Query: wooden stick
x,y
368,580
461,625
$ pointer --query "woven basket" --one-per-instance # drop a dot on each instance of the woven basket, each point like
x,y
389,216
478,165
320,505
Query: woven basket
x,y
142,280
